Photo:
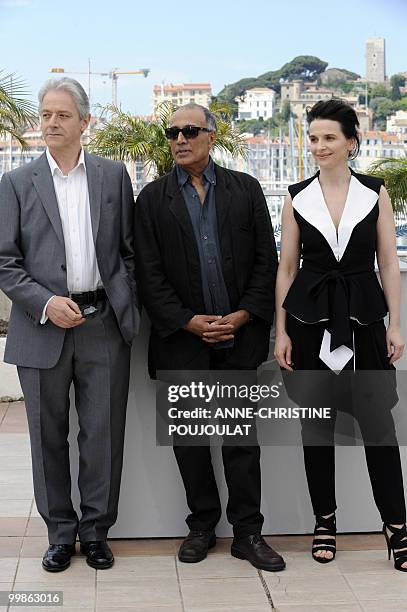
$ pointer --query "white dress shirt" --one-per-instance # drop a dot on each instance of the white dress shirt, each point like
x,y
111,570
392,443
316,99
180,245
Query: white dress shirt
x,y
73,202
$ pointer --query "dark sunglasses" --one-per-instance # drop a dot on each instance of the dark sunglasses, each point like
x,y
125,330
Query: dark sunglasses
x,y
189,131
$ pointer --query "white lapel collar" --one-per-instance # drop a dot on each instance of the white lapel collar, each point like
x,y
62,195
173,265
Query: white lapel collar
x,y
310,204
359,203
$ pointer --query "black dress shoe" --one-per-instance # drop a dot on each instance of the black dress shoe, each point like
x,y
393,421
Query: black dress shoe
x,y
98,554
58,557
255,549
196,545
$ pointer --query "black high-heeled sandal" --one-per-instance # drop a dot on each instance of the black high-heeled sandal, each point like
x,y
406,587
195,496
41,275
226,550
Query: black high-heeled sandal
x,y
395,542
326,527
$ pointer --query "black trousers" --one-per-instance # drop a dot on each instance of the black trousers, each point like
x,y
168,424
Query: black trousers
x,y
242,473
383,463
372,411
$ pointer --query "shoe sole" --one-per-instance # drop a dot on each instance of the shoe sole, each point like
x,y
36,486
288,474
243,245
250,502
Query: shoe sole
x,y
323,559
98,565
267,568
212,544
56,569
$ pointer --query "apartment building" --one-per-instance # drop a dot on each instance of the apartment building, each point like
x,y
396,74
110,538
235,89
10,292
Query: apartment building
x,y
257,103
379,145
180,94
301,95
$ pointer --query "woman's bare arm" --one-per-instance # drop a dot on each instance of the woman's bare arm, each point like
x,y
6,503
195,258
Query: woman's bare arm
x,y
389,273
287,270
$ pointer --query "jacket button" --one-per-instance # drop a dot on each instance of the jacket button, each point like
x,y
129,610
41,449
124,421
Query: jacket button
x,y
63,267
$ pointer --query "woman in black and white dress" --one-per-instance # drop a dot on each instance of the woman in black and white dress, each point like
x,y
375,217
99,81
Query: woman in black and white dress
x,y
329,312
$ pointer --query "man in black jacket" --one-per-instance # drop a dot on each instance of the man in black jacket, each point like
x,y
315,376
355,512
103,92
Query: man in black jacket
x,y
206,264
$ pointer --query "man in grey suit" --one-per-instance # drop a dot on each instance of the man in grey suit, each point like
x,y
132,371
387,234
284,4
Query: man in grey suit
x,y
67,264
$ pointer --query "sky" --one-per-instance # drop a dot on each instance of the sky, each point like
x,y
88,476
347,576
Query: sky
x,y
185,41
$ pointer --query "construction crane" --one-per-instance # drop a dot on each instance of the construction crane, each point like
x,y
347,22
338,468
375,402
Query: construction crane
x,y
113,74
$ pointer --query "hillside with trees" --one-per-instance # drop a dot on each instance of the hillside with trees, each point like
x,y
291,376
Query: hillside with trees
x,y
384,98
305,67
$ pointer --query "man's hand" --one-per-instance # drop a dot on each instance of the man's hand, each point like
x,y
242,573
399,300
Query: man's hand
x,y
64,312
224,328
200,325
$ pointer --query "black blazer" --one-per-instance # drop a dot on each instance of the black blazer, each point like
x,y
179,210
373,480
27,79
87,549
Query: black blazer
x,y
169,276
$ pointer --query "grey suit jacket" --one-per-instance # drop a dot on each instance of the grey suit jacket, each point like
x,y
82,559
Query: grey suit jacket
x,y
32,253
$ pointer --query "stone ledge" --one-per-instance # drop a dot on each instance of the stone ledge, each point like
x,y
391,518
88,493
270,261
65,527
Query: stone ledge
x,y
3,328
10,389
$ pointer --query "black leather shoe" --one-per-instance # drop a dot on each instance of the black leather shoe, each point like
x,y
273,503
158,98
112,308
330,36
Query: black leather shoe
x,y
58,557
196,545
98,554
255,549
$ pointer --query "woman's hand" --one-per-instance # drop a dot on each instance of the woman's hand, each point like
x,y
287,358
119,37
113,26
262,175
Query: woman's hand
x,y
395,343
282,351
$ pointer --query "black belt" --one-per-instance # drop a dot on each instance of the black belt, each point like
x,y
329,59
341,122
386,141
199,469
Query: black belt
x,y
89,298
334,281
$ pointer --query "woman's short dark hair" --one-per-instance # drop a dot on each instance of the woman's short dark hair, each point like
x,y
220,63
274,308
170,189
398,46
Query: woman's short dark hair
x,y
342,112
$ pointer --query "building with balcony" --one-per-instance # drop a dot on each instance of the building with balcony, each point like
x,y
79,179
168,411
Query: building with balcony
x,y
12,155
257,103
397,124
301,95
379,145
365,116
181,94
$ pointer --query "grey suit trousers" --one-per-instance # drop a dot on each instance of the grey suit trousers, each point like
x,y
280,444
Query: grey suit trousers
x,y
96,359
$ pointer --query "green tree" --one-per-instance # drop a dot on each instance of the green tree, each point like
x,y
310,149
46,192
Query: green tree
x,y
402,104
394,173
332,75
16,112
345,86
257,126
379,91
382,108
285,112
397,81
127,138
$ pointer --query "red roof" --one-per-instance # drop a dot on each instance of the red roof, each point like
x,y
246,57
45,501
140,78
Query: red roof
x,y
181,87
379,135
260,139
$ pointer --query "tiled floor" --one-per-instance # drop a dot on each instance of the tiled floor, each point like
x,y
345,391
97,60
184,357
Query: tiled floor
x,y
147,576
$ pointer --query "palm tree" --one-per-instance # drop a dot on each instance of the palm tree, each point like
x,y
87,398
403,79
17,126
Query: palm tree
x,y
129,138
394,173
16,112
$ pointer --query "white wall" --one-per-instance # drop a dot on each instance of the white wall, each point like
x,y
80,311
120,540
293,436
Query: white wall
x,y
152,502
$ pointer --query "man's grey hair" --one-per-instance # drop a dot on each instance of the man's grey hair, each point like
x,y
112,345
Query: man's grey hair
x,y
73,87
209,117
